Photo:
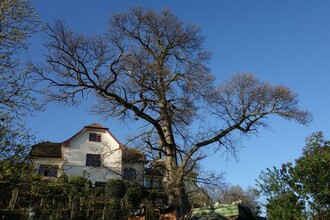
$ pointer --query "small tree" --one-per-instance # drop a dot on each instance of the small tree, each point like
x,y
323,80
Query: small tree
x,y
153,67
133,197
17,22
300,190
115,190
78,193
280,202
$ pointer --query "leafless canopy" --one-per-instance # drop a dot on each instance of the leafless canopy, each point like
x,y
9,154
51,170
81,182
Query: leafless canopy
x,y
153,67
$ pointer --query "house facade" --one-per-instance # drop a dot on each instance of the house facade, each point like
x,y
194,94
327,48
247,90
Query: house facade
x,y
92,151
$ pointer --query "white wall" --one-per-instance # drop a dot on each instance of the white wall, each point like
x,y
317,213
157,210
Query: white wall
x,y
139,167
48,161
80,146
74,158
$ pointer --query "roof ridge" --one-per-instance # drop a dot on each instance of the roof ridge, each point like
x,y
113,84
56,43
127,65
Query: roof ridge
x,y
97,126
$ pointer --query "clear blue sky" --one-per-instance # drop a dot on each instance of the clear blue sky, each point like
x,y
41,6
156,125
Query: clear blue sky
x,y
283,42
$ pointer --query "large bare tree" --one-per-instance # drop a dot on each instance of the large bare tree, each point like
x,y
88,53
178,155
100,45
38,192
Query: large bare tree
x,y
153,67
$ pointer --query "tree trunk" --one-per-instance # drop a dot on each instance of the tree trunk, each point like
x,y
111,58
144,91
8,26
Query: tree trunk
x,y
104,209
72,212
173,174
174,182
171,180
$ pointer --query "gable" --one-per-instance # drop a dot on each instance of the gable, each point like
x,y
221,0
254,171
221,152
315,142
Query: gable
x,y
94,128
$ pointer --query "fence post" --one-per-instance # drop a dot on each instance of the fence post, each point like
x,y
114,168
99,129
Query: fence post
x,y
12,203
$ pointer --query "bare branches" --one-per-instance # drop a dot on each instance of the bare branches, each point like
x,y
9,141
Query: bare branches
x,y
131,68
152,67
17,22
243,102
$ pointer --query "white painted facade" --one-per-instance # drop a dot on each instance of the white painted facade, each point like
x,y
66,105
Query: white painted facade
x,y
49,161
71,155
75,151
139,168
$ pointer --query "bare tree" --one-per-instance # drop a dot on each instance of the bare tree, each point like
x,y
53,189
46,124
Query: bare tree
x,y
153,67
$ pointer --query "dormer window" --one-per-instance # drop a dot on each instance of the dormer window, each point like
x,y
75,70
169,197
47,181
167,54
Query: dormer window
x,y
94,137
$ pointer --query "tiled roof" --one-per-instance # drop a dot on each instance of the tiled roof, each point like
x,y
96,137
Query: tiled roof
x,y
133,155
97,126
46,149
153,172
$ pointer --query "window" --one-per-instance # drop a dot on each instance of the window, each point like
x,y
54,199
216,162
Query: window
x,y
147,182
156,183
130,173
94,137
151,183
100,184
48,170
93,160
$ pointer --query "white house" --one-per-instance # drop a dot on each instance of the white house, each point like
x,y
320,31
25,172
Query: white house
x,y
93,151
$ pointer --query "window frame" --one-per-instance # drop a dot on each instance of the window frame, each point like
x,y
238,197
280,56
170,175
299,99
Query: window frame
x,y
152,183
100,184
48,170
147,182
130,173
93,160
95,137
